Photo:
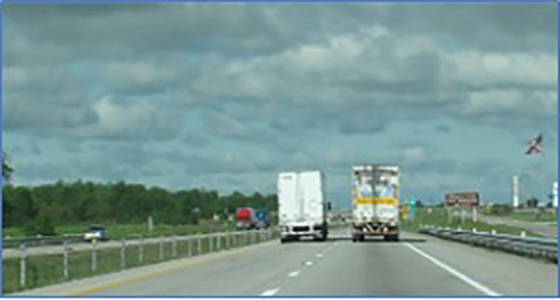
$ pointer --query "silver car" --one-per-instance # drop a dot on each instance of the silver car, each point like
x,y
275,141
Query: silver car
x,y
96,233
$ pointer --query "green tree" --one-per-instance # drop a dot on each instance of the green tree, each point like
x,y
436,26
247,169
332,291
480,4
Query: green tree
x,y
533,202
7,170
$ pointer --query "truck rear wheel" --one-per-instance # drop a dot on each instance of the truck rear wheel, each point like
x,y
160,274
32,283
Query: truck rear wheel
x,y
391,237
358,238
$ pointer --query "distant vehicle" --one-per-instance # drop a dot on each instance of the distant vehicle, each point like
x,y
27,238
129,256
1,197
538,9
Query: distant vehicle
x,y
302,207
246,219
96,233
262,219
375,202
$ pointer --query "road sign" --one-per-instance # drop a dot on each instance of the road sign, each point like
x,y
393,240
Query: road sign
x,y
467,199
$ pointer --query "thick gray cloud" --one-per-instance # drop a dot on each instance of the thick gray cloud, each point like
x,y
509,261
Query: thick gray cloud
x,y
211,93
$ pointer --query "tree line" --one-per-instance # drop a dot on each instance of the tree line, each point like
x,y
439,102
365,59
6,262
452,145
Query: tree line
x,y
40,209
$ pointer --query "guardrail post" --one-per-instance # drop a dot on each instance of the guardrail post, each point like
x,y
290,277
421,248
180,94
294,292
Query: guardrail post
x,y
523,234
198,244
218,242
174,241
141,250
211,246
65,261
94,256
190,244
123,254
160,247
493,232
228,242
22,266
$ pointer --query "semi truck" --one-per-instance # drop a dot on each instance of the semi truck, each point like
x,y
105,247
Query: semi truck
x,y
262,219
245,218
302,206
375,202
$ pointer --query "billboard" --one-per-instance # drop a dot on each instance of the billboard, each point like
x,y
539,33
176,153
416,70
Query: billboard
x,y
467,199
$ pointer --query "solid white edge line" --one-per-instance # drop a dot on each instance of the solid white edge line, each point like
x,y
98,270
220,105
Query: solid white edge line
x,y
457,274
270,292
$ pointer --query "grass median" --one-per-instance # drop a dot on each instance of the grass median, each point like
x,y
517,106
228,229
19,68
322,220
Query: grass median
x,y
118,231
438,217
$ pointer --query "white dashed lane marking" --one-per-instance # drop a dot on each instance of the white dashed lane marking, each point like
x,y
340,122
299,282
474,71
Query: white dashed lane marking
x,y
294,274
270,292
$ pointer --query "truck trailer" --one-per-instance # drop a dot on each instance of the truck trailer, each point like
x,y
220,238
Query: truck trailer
x,y
375,202
302,206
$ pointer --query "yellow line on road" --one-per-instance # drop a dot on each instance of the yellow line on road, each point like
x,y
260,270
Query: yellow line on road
x,y
139,278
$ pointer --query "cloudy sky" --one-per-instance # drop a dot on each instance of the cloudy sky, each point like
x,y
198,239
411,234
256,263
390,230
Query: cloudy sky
x,y
227,96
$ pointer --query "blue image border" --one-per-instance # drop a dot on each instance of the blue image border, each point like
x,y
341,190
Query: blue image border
x,y
27,2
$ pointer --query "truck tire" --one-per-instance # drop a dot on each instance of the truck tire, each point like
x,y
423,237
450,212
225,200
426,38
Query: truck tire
x,y
324,235
391,237
358,238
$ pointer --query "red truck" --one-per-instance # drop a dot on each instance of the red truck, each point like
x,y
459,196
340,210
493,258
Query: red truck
x,y
246,218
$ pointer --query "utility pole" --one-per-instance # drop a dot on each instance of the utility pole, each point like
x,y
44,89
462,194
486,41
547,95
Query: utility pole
x,y
515,192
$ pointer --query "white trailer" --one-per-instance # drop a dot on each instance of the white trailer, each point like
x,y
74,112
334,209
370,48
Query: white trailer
x,y
302,206
375,202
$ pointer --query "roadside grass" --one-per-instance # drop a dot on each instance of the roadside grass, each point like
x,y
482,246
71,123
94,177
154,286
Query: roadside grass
x,y
46,270
118,231
438,217
533,216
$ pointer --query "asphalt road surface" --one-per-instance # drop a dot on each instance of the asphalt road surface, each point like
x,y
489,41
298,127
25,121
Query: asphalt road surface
x,y
539,228
418,265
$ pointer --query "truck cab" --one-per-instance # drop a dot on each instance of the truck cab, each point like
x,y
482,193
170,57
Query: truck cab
x,y
245,218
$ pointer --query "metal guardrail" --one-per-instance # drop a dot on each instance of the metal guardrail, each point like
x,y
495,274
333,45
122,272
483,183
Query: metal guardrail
x,y
40,240
145,251
528,246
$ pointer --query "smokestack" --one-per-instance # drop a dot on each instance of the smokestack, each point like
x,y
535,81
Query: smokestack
x,y
515,192
555,194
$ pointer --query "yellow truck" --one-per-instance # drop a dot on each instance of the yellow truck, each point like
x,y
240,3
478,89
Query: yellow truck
x,y
375,202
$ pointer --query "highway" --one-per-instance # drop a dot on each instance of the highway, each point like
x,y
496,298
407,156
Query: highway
x,y
539,228
418,265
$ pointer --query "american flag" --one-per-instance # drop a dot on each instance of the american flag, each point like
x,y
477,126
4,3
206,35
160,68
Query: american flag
x,y
535,145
